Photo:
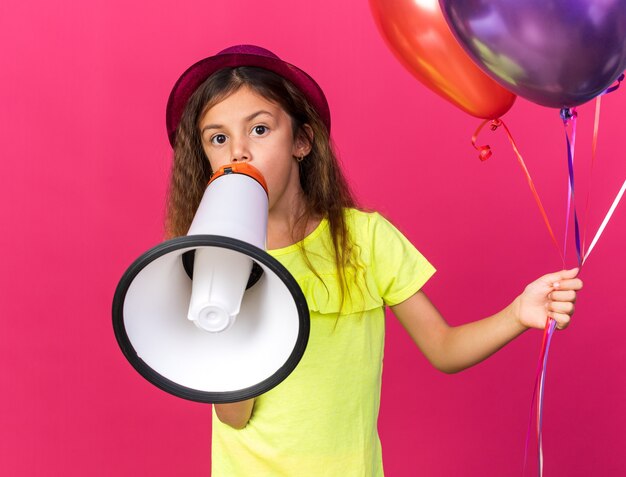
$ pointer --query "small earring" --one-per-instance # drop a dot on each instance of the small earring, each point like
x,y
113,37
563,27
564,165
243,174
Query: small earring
x,y
300,159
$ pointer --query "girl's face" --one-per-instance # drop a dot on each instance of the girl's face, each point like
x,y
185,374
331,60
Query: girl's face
x,y
246,127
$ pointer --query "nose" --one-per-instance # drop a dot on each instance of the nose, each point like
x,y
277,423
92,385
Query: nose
x,y
240,150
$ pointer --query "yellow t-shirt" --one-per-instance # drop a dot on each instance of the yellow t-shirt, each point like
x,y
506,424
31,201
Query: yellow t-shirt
x,y
322,419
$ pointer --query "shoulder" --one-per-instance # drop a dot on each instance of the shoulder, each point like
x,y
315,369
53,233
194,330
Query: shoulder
x,y
369,224
362,220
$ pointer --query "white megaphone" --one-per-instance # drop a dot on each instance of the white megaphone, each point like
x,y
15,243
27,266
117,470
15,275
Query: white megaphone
x,y
211,317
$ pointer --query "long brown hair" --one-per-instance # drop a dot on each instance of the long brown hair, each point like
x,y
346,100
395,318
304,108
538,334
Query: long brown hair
x,y
326,191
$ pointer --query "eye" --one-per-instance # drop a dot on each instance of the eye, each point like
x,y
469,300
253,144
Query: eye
x,y
218,139
260,130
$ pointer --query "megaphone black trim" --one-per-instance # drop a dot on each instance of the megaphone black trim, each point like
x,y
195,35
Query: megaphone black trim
x,y
188,261
176,389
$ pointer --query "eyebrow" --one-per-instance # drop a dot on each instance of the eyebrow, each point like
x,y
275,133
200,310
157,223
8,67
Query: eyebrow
x,y
246,119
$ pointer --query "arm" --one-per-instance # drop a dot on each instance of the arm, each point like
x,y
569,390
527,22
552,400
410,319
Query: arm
x,y
452,349
236,414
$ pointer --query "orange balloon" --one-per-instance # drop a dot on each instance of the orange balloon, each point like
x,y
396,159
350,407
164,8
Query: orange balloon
x,y
418,34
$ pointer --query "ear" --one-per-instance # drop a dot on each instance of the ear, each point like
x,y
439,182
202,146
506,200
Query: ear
x,y
303,142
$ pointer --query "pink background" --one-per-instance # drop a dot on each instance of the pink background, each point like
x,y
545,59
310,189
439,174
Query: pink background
x,y
85,161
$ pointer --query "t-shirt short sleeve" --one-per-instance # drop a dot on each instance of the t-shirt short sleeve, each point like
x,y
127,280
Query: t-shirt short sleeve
x,y
400,270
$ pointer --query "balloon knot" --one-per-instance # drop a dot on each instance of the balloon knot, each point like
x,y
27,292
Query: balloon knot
x,y
495,124
567,114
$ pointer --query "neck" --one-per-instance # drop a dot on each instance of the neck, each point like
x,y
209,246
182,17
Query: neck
x,y
286,227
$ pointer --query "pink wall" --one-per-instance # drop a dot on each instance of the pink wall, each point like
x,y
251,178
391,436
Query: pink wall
x,y
85,160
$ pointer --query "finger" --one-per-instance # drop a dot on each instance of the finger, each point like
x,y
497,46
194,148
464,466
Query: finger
x,y
571,284
561,275
561,307
562,320
562,295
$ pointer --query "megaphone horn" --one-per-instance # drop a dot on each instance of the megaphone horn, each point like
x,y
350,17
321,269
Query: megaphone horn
x,y
211,317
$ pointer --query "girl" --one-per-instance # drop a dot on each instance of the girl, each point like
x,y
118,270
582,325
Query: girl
x,y
245,104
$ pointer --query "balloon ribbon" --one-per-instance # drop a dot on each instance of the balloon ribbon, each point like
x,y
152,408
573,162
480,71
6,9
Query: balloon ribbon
x,y
596,127
606,220
569,115
485,153
538,393
594,145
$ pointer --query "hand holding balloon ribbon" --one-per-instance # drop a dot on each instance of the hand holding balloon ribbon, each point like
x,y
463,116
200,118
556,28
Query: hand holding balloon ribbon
x,y
552,295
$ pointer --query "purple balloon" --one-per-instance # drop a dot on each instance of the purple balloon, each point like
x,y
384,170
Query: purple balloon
x,y
558,53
